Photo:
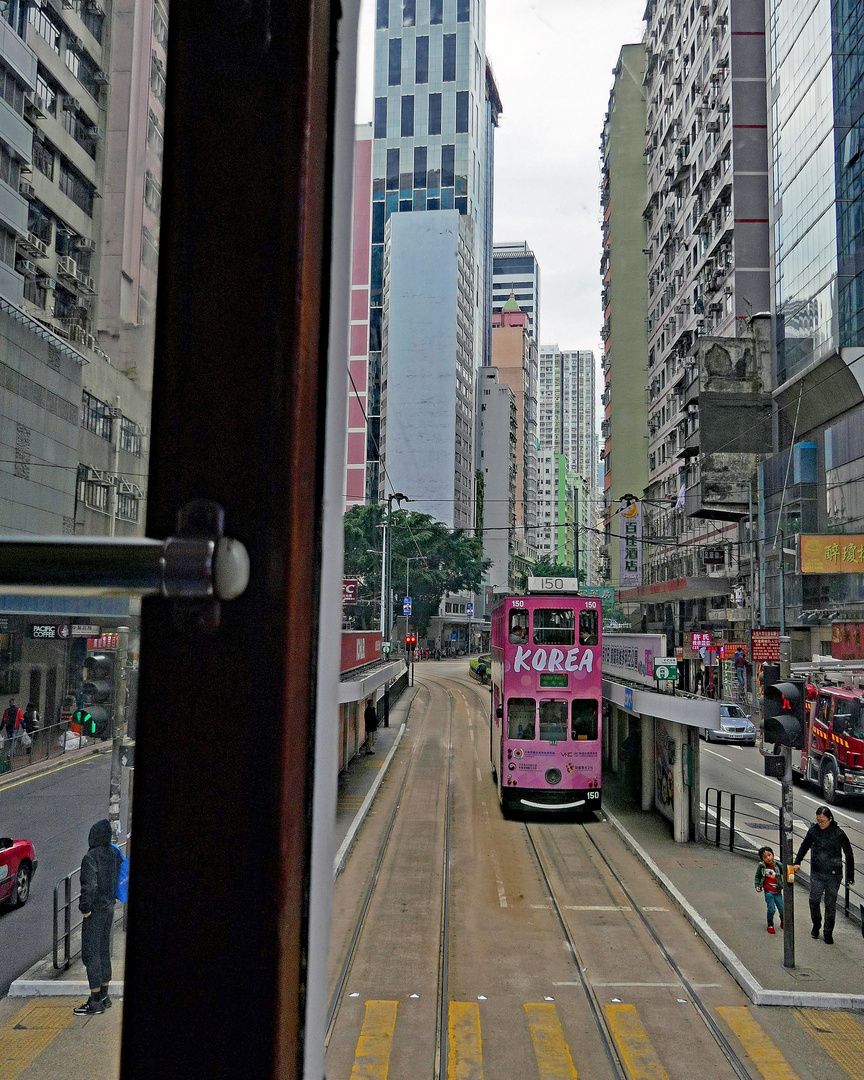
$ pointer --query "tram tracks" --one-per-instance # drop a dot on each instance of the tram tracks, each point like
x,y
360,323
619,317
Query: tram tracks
x,y
422,735
595,1005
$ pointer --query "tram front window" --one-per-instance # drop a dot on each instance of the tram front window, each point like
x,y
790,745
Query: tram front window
x,y
554,626
521,718
587,627
553,721
585,724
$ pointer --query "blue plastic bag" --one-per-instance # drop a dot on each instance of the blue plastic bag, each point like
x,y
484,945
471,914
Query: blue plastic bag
x,y
123,878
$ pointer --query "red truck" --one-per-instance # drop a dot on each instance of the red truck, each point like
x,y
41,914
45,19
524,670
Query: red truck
x,y
833,754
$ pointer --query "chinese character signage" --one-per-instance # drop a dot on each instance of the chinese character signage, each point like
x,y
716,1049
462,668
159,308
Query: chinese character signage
x,y
349,590
631,656
832,554
630,512
700,641
847,640
765,646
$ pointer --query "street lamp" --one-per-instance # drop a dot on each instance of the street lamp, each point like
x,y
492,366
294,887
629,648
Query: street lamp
x,y
386,617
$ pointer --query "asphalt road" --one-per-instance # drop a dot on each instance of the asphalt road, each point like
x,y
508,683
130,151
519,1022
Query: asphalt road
x,y
54,810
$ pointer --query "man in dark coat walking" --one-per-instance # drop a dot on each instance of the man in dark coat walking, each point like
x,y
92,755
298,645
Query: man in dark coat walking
x,y
829,844
100,870
370,722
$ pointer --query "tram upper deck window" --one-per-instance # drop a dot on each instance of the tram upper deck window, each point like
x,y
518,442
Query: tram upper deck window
x,y
518,627
588,628
584,726
521,718
553,721
554,626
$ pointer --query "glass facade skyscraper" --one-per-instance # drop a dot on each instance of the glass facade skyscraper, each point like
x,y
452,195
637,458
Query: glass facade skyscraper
x,y
432,125
817,179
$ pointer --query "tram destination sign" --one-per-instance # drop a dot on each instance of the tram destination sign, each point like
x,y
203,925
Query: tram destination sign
x,y
553,585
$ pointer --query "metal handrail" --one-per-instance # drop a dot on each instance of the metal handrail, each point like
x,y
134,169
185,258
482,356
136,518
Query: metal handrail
x,y
44,745
733,799
63,939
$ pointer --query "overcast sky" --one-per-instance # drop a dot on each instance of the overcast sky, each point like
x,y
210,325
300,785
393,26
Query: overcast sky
x,y
553,62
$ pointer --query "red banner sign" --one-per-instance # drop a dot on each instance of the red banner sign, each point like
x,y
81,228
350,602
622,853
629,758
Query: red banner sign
x,y
106,641
847,640
360,647
700,641
765,646
350,587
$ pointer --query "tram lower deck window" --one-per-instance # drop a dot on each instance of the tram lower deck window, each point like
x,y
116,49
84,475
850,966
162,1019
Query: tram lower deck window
x,y
521,718
584,721
553,721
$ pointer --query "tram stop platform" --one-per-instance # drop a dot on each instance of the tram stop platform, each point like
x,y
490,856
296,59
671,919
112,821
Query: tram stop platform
x,y
713,887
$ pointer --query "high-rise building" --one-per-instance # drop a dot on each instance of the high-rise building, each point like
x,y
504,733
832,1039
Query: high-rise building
x,y
708,272
516,272
566,408
358,337
816,140
514,353
428,376
624,427
80,191
498,430
430,132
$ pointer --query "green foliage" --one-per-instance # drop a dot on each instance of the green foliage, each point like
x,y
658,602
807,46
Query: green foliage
x,y
451,560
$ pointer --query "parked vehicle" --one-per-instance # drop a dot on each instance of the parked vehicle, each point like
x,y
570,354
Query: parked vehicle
x,y
735,726
17,867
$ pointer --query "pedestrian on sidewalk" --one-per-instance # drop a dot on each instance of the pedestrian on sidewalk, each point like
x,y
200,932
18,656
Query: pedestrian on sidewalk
x,y
370,721
12,725
829,844
766,882
740,662
100,870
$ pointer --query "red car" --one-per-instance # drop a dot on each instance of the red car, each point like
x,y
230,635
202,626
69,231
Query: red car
x,y
17,867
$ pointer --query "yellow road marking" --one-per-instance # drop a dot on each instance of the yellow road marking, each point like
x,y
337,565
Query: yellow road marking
x,y
372,1056
764,1054
550,1048
50,772
839,1035
28,1033
637,1053
464,1046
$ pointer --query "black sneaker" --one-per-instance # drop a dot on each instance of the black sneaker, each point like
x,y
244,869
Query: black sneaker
x,y
91,1007
814,933
105,1001
829,939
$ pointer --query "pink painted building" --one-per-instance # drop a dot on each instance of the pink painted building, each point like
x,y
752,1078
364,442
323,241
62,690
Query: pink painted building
x,y
358,360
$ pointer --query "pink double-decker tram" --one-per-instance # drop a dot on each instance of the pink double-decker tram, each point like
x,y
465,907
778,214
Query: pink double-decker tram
x,y
546,702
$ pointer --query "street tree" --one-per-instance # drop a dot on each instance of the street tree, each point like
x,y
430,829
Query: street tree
x,y
443,561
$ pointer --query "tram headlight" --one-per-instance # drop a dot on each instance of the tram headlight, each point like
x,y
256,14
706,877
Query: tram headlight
x,y
553,776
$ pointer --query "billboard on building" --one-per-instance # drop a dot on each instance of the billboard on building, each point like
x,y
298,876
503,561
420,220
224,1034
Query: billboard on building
x,y
832,554
847,640
631,656
630,512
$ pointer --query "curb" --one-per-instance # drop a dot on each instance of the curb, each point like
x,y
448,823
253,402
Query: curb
x,y
348,842
748,982
22,988
61,761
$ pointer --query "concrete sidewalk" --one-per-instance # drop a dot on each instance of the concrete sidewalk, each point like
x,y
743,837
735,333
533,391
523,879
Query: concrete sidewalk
x,y
714,888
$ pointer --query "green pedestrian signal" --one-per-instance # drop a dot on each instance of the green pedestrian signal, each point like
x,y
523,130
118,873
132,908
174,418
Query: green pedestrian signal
x,y
86,722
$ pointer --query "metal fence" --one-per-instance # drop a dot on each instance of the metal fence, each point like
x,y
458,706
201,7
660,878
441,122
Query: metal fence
x,y
734,820
45,743
68,920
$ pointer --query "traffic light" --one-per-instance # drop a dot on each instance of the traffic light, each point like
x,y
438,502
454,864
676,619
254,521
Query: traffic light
x,y
410,641
98,690
785,713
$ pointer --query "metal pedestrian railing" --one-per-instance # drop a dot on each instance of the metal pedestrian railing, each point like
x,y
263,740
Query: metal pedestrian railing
x,y
734,820
45,743
67,920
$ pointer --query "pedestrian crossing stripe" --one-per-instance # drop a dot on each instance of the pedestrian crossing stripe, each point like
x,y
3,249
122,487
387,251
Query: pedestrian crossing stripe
x,y
764,1054
839,1035
634,1046
550,1047
372,1056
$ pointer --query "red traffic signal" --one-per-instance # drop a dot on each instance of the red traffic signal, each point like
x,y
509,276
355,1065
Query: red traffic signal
x,y
410,641
785,713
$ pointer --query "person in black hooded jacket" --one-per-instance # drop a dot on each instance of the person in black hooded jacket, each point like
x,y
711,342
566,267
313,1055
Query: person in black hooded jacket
x,y
100,869
829,844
